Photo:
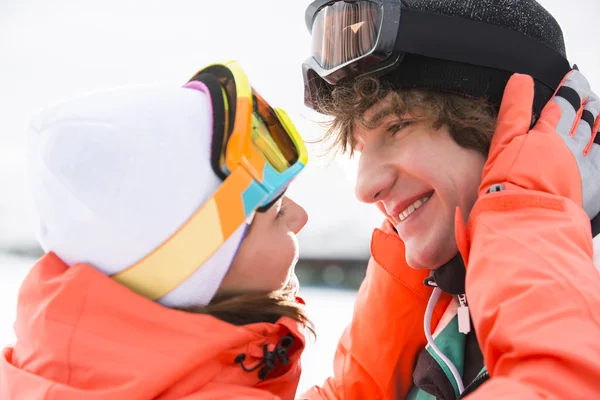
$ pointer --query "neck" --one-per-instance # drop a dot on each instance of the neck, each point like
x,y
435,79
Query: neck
x,y
450,277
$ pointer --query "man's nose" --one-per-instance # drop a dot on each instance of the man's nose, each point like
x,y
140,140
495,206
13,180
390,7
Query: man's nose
x,y
373,179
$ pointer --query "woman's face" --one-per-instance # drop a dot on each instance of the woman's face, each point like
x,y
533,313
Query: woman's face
x,y
268,254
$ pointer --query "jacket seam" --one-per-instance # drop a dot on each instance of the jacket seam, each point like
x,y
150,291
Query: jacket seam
x,y
70,343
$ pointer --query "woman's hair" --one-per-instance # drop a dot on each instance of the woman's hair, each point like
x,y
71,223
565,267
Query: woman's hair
x,y
242,309
471,122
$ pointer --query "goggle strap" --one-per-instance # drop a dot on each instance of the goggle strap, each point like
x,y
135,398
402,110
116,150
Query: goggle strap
x,y
468,41
218,108
197,240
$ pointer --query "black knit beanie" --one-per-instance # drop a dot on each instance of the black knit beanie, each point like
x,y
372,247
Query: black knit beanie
x,y
525,16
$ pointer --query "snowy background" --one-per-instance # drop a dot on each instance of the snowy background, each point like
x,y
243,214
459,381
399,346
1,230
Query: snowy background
x,y
51,51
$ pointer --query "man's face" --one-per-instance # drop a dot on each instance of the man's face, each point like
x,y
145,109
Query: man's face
x,y
418,177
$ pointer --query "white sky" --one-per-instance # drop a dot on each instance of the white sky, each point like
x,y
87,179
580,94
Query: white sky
x,y
50,51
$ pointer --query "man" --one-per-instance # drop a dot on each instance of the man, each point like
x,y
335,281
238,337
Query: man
x,y
488,180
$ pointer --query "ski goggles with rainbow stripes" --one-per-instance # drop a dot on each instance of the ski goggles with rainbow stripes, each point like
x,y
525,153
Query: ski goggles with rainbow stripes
x,y
256,151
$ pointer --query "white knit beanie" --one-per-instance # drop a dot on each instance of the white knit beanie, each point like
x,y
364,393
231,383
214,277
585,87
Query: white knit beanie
x,y
114,175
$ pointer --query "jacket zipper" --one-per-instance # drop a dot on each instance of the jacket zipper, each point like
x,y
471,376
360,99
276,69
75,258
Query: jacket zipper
x,y
464,319
474,385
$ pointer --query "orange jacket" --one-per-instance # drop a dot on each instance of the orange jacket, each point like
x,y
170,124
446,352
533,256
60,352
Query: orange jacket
x,y
376,353
80,335
539,329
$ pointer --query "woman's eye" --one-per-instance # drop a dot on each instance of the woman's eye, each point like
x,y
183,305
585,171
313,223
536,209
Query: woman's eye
x,y
281,211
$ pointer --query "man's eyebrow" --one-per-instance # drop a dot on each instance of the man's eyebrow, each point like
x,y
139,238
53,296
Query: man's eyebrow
x,y
380,115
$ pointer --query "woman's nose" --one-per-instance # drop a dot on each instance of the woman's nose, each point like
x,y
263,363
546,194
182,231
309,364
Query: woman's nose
x,y
298,217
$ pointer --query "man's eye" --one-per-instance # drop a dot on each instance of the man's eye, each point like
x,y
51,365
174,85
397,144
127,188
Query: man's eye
x,y
397,127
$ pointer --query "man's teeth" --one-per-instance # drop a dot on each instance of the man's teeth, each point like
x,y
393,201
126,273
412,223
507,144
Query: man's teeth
x,y
412,208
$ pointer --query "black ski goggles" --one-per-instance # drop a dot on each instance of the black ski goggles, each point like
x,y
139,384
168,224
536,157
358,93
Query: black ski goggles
x,y
351,38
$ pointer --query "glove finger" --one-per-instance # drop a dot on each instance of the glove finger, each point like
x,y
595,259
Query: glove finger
x,y
581,137
593,154
565,109
591,110
590,122
514,117
591,175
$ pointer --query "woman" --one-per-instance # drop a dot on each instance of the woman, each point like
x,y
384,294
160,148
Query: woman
x,y
169,271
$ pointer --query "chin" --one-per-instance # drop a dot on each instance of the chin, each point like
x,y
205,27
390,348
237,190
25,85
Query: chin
x,y
434,246
432,256
293,284
419,262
